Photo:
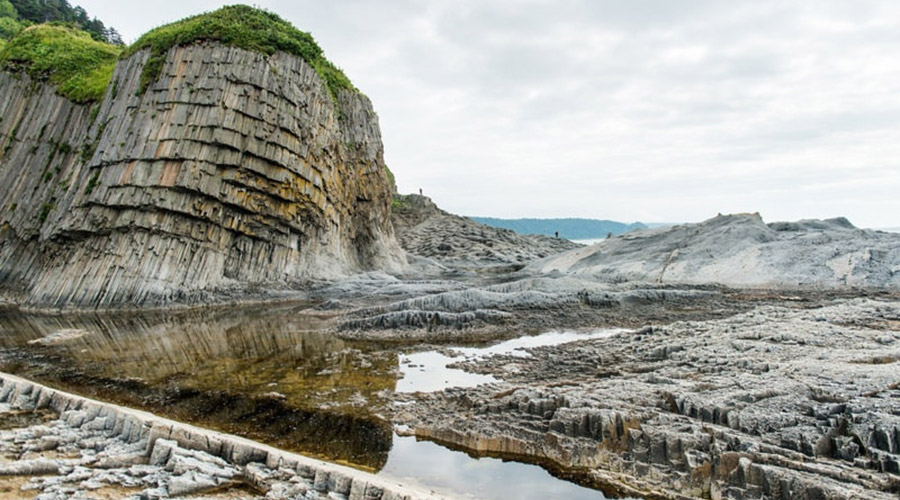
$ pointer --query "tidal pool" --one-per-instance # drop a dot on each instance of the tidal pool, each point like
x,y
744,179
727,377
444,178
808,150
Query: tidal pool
x,y
270,374
431,371
447,471
276,375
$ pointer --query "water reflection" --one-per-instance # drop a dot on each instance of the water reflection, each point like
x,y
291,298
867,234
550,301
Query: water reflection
x,y
447,471
268,374
431,371
273,374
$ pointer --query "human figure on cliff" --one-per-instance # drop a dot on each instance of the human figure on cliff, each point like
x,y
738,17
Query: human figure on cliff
x,y
420,191
556,234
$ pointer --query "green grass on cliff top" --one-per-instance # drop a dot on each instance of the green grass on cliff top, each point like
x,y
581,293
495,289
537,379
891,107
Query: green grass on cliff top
x,y
80,67
238,26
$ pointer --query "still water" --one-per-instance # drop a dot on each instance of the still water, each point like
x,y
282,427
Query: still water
x,y
430,371
275,375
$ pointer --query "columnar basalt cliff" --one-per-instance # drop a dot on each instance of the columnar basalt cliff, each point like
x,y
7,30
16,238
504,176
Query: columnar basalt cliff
x,y
232,169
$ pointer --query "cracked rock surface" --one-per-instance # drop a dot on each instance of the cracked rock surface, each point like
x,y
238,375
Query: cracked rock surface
x,y
56,446
774,403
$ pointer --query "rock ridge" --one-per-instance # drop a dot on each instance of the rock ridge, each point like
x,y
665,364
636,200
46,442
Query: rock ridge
x,y
742,251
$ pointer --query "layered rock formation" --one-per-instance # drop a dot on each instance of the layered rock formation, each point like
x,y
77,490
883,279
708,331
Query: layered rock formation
x,y
776,403
232,170
742,251
98,450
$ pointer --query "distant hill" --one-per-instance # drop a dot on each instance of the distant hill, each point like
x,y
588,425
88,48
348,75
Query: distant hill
x,y
571,229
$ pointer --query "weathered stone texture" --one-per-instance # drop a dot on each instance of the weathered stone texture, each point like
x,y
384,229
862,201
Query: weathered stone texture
x,y
772,404
104,443
233,168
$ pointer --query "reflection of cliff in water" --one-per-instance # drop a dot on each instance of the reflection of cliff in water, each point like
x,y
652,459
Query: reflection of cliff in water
x,y
269,373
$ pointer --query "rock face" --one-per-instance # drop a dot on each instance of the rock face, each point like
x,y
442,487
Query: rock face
x,y
234,169
425,230
742,251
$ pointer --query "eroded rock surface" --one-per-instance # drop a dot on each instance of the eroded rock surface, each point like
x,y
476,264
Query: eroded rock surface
x,y
232,170
425,230
64,446
742,251
435,307
775,403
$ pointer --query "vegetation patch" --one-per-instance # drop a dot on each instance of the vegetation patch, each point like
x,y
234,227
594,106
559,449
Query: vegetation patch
x,y
400,201
392,182
92,183
79,66
238,26
60,11
10,25
46,208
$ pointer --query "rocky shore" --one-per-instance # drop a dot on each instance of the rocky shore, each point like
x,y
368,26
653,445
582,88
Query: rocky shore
x,y
742,251
460,244
755,360
774,403
55,445
715,390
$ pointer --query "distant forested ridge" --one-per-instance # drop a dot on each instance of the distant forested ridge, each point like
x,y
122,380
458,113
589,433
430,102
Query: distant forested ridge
x,y
57,11
572,229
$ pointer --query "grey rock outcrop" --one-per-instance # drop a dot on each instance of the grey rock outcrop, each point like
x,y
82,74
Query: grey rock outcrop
x,y
775,403
477,307
457,242
123,453
233,170
742,251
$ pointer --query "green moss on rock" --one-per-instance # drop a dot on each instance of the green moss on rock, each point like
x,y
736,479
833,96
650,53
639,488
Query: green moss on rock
x,y
238,26
392,182
80,67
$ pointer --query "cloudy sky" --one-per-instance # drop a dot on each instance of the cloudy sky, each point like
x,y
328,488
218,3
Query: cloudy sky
x,y
650,110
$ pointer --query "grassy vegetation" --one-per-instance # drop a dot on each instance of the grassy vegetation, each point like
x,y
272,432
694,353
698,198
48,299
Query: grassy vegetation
x,y
392,183
80,67
7,9
400,201
45,11
239,26
9,27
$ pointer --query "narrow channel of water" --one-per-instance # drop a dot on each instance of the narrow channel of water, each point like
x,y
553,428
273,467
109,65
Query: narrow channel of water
x,y
274,375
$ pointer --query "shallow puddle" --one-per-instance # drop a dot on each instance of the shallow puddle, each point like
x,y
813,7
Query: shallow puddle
x,y
428,372
270,374
273,374
431,371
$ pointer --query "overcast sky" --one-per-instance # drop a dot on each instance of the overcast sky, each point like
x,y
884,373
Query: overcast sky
x,y
651,110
